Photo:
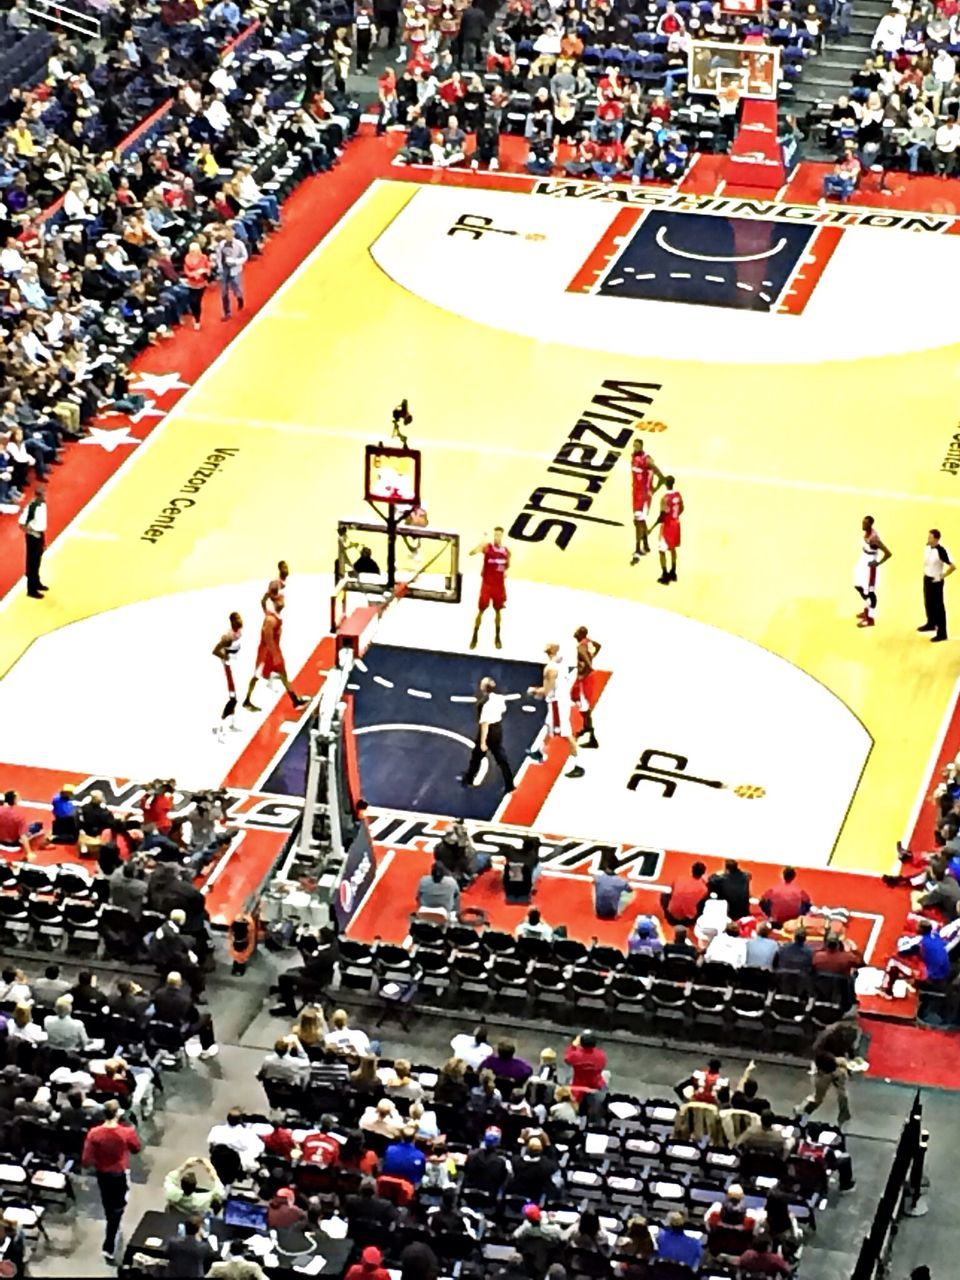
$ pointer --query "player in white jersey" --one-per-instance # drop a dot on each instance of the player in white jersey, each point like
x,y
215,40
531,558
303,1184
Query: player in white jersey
x,y
226,649
276,587
872,555
559,673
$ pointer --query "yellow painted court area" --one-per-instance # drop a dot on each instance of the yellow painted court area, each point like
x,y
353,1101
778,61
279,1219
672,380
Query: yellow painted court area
x,y
777,462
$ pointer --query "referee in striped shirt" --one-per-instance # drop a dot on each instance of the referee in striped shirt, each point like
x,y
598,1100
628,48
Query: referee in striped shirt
x,y
937,565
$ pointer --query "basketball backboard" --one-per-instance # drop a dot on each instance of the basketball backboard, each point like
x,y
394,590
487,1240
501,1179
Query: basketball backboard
x,y
427,560
754,69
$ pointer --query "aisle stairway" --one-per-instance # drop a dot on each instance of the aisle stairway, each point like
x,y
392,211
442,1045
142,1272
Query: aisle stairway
x,y
828,75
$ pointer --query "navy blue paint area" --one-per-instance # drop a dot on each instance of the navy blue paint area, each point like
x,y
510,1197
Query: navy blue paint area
x,y
412,766
654,263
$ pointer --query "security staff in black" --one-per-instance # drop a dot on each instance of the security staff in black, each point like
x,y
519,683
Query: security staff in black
x,y
491,708
937,565
33,522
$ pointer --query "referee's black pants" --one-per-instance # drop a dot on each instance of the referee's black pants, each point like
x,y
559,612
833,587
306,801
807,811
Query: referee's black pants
x,y
933,604
34,554
495,747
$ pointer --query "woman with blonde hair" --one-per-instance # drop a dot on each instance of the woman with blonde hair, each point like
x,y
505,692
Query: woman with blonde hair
x,y
311,1027
365,1079
451,1089
401,1083
23,1026
564,1107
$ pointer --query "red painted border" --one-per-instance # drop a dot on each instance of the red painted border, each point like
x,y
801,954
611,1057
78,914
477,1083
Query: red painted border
x,y
821,249
600,256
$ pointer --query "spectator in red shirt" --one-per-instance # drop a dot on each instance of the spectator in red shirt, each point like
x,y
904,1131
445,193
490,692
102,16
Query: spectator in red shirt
x,y
762,1261
660,109
14,824
157,806
321,1147
588,1063
836,959
785,901
283,1211
108,1147
682,904
370,1266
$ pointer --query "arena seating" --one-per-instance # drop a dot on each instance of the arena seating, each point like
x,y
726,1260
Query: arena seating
x,y
622,1161
570,983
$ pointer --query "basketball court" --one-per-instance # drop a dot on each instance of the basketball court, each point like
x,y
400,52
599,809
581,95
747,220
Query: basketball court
x,y
765,356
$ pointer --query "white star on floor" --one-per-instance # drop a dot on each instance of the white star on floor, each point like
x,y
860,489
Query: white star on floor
x,y
109,438
158,384
149,410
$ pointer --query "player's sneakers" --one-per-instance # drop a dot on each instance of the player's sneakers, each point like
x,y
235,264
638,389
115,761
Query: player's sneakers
x,y
862,613
672,575
590,743
576,772
866,622
664,579
496,642
635,558
928,626
536,756
298,700
248,705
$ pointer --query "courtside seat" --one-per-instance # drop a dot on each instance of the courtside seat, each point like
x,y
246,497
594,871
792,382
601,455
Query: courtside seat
x,y
548,987
709,1007
81,923
471,972
508,977
668,1002
497,943
590,991
569,950
435,973
13,917
46,922
628,1001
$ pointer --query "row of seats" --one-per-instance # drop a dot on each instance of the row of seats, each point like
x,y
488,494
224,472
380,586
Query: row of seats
x,y
600,986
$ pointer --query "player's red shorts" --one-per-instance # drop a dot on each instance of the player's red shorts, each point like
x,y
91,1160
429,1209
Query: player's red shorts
x,y
492,593
582,692
269,662
670,533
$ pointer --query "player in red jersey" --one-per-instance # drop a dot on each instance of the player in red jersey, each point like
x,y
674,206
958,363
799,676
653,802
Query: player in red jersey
x,y
671,509
646,478
270,661
226,649
582,691
493,583
275,587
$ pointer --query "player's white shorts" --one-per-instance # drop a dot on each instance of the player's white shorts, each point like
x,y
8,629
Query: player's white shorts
x,y
558,718
865,574
642,513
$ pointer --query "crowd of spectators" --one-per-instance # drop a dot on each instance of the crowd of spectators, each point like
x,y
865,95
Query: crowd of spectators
x,y
422,1166
106,249
901,110
598,91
